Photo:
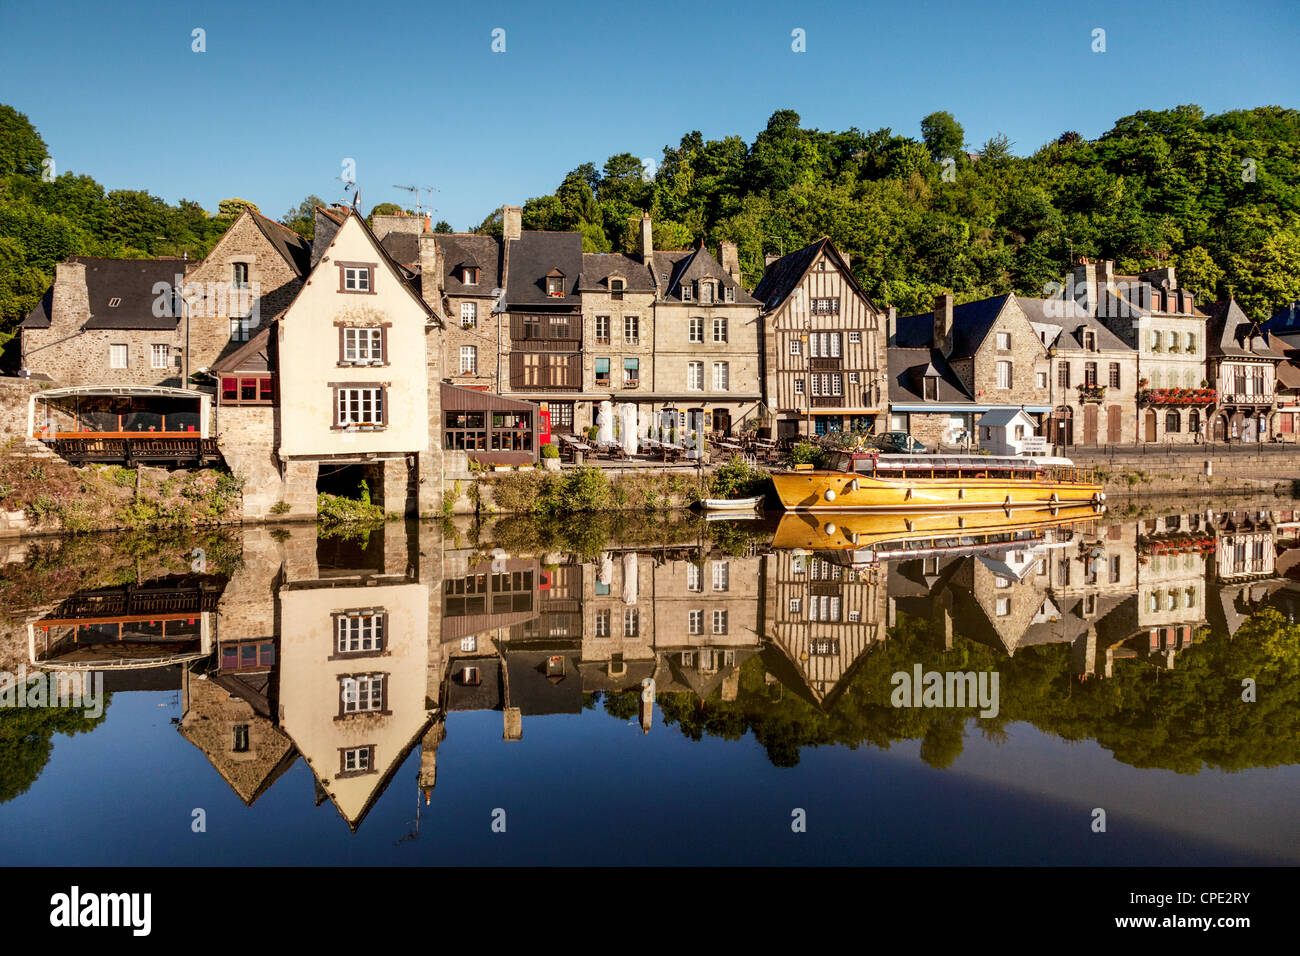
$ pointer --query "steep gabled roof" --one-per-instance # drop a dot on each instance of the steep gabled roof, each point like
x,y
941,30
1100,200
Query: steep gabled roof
x,y
1230,332
692,265
908,368
255,355
39,317
784,275
599,267
1065,315
470,249
295,250
130,283
971,323
534,256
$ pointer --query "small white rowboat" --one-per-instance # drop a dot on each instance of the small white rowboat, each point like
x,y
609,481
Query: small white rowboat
x,y
733,504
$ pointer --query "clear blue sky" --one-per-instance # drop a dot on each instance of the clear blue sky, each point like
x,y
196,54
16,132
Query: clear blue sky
x,y
414,94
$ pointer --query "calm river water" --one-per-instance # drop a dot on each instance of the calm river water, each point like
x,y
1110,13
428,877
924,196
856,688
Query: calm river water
x,y
645,690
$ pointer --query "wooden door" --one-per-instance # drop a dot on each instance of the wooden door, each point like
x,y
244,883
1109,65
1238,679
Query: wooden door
x,y
1114,424
1151,425
1090,424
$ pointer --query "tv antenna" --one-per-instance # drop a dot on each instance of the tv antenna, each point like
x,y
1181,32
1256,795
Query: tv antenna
x,y
417,191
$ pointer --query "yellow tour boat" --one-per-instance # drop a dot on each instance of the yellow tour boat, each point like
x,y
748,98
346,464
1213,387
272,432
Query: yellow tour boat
x,y
869,481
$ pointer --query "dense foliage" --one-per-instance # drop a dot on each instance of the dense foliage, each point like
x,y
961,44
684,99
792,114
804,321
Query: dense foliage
x,y
1216,196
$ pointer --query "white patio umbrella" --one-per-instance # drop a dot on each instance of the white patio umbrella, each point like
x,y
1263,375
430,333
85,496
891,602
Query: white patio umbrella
x,y
605,423
643,422
627,418
629,578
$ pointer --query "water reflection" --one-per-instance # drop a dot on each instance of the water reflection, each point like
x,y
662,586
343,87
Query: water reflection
x,y
350,653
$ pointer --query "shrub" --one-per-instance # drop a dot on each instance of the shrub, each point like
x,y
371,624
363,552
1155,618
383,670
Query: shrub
x,y
550,451
737,479
280,508
804,453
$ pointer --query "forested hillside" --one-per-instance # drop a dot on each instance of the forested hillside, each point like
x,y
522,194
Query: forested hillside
x,y
1217,196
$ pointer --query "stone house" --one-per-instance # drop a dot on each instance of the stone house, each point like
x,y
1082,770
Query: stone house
x,y
706,340
1161,322
949,367
1093,377
618,317
1242,363
823,345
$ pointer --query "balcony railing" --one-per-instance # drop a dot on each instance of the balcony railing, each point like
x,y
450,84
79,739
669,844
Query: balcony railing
x,y
827,401
1243,398
1177,396
825,364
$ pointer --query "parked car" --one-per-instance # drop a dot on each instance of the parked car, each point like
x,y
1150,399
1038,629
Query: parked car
x,y
899,443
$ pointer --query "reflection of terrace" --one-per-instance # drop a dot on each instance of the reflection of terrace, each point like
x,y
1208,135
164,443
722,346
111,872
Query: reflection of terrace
x,y
132,626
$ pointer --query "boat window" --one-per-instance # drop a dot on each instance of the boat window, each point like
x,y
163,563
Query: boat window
x,y
864,466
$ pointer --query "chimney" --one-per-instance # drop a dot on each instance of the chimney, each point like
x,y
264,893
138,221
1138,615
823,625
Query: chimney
x,y
730,258
326,228
432,271
399,222
1085,287
428,223
71,299
943,323
647,240
891,328
770,258
511,222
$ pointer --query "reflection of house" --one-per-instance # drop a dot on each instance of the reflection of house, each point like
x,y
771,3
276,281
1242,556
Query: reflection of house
x,y
823,616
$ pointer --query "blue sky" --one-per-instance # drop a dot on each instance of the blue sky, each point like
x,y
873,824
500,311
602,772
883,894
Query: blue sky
x,y
285,92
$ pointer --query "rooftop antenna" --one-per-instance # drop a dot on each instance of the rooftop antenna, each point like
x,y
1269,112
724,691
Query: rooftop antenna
x,y
417,191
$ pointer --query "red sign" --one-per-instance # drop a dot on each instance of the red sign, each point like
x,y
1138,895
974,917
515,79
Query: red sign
x,y
544,434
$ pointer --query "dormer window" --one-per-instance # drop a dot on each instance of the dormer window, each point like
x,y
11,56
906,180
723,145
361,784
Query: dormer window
x,y
114,302
686,292
728,294
616,288
931,389
706,291
555,284
1090,341
469,275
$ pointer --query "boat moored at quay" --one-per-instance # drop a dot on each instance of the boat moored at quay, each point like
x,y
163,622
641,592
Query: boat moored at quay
x,y
869,481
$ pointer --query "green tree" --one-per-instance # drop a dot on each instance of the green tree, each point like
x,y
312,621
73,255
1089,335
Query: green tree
x,y
943,136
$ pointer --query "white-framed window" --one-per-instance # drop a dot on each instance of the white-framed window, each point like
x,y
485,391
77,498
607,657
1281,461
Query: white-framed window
x,y
721,575
469,360
361,406
824,345
694,376
719,622
1003,607
1041,379
356,278
1004,375
694,578
796,347
855,617
853,378
721,376
719,329
695,622
362,694
855,338
796,605
468,314
631,622
117,356
728,294
356,760
602,329
160,356
616,288
798,386
239,327
696,329
632,329
602,623
469,645
1004,341
239,275
363,345
359,633
687,292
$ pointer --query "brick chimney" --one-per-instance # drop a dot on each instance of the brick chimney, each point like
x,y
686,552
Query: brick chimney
x,y
1084,277
943,323
400,222
511,222
428,223
432,271
770,258
729,256
891,327
71,300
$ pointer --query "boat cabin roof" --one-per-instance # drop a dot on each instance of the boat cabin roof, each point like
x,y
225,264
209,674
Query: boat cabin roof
x,y
866,461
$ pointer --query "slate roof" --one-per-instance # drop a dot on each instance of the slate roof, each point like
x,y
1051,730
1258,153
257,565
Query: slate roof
x,y
599,267
129,280
1072,324
535,255
469,249
690,266
784,275
907,368
404,247
255,355
1000,417
1230,332
1285,320
970,324
294,248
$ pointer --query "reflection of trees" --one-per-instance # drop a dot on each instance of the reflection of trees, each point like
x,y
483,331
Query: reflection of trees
x,y
1183,719
27,740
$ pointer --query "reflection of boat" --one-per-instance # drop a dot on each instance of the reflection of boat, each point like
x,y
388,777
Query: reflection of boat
x,y
869,481
732,504
876,535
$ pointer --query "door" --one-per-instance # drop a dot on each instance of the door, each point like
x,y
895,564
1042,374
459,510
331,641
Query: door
x,y
722,421
1063,426
1114,424
1151,425
1220,431
1090,424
